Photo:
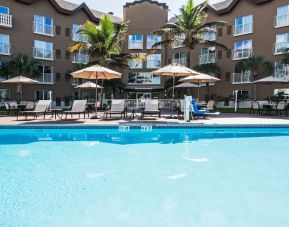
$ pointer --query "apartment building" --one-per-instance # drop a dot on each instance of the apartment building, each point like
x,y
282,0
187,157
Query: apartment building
x,y
43,30
254,27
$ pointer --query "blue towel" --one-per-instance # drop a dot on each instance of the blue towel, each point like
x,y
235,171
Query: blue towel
x,y
196,109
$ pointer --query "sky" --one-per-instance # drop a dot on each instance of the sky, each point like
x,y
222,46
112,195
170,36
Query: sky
x,y
116,6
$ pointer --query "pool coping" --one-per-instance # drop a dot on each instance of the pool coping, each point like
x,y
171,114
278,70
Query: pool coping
x,y
141,126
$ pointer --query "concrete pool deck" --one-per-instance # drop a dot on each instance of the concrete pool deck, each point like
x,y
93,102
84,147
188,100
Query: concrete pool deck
x,y
224,118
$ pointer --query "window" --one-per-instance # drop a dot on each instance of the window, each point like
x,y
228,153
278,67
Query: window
x,y
211,35
179,39
282,43
43,50
4,94
240,78
208,55
242,49
77,36
284,92
5,48
154,61
152,39
45,74
4,10
143,78
243,25
243,95
135,42
43,25
5,18
136,63
282,18
180,58
42,95
3,75
80,58
281,69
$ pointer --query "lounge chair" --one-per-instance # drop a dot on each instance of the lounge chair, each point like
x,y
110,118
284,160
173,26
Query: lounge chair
x,y
78,107
117,107
255,108
281,107
210,106
151,108
201,113
41,107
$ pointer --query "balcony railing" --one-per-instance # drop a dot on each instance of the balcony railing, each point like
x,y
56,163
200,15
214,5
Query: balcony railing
x,y
207,58
280,47
135,64
242,53
43,29
46,78
5,49
181,61
283,72
135,45
282,20
210,36
6,20
243,29
153,64
240,78
80,59
78,37
44,54
77,81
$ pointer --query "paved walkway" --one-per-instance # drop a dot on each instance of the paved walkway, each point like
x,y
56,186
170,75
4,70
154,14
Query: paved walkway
x,y
224,118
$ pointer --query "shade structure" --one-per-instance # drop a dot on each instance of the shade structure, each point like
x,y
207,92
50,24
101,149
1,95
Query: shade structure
x,y
88,85
200,78
186,85
96,72
269,80
20,80
174,70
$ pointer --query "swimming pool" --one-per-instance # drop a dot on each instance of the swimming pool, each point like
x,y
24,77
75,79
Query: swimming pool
x,y
138,177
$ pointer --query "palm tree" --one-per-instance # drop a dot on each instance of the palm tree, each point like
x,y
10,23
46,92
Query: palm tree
x,y
22,65
256,64
190,27
104,44
211,68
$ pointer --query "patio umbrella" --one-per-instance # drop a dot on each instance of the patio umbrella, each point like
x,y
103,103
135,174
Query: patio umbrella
x,y
186,85
20,80
96,72
199,79
271,79
88,85
174,70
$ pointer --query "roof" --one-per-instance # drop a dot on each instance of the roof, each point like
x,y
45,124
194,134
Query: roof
x,y
69,8
163,5
227,6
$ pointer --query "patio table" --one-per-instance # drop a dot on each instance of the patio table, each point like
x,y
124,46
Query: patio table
x,y
57,112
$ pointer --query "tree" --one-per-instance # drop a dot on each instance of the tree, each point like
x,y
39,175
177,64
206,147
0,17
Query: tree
x,y
190,29
104,44
286,56
256,64
22,65
211,68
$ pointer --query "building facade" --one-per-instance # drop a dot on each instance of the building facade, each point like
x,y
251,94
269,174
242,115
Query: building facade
x,y
43,30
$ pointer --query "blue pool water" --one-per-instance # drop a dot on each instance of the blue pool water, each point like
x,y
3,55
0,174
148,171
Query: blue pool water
x,y
161,178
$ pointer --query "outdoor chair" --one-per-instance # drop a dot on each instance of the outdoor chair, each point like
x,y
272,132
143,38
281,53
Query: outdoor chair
x,y
117,107
41,107
255,108
201,113
151,108
210,106
281,107
78,107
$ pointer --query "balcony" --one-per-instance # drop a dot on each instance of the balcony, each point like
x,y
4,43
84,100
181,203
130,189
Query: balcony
x,y
45,78
153,64
243,29
5,49
280,47
135,64
207,58
44,54
241,78
242,53
43,29
80,59
135,45
181,61
78,37
282,20
282,72
6,20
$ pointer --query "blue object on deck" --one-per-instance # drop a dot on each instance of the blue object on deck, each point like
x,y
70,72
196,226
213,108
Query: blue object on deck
x,y
196,110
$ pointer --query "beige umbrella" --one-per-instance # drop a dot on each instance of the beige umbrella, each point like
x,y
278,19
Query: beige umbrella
x,y
174,70
200,78
88,85
20,80
96,72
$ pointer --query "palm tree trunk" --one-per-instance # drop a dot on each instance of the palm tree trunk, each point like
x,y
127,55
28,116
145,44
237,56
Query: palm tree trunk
x,y
188,58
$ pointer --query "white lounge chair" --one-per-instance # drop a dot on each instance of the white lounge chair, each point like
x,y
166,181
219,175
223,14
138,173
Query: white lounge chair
x,y
78,107
41,107
151,108
117,107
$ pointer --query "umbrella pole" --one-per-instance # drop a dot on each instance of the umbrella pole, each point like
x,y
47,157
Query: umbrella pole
x,y
174,81
21,91
198,91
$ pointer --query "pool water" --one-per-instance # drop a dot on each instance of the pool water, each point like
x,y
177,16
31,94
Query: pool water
x,y
160,178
